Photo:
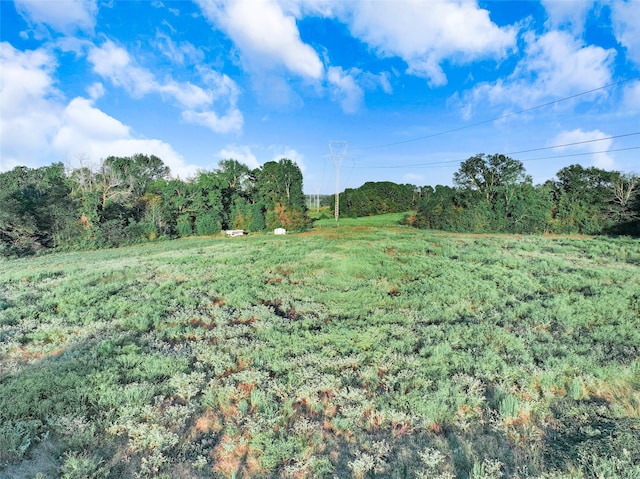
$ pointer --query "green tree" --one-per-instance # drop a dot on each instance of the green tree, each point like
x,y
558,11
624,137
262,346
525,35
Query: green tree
x,y
279,187
235,181
36,209
135,173
116,203
583,200
490,174
494,194
374,198
207,200
173,216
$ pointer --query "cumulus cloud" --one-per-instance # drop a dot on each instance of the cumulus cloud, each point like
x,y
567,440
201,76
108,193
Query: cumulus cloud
x,y
626,27
241,153
555,65
600,157
64,16
424,34
86,131
231,122
266,35
244,154
37,127
116,65
290,154
29,112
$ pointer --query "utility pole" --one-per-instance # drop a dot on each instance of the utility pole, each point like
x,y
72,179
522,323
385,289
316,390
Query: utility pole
x,y
317,198
337,149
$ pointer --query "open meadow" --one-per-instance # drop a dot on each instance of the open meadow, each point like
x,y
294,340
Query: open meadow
x,y
366,350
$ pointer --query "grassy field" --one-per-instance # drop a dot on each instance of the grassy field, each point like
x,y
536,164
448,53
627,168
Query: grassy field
x,y
364,349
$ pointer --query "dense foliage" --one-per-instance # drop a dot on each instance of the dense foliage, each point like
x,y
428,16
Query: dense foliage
x,y
131,199
377,198
494,194
351,351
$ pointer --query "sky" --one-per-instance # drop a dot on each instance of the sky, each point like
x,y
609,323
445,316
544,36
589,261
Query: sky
x,y
400,91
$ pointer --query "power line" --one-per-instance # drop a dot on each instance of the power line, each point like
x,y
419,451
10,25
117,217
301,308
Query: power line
x,y
422,165
573,144
440,165
507,115
582,154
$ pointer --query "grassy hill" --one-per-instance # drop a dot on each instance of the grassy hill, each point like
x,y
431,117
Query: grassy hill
x,y
363,349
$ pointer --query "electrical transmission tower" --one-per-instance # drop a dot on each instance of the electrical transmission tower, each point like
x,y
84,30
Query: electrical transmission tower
x,y
337,149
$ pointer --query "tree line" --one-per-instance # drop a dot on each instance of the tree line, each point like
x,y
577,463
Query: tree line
x,y
494,194
131,199
376,198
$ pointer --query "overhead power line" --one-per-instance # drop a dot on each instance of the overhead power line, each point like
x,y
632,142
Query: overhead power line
x,y
583,142
582,154
507,115
573,144
450,163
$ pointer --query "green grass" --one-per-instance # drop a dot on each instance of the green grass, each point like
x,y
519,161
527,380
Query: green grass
x,y
363,349
389,219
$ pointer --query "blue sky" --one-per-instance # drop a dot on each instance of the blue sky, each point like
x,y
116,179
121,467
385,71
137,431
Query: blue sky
x,y
413,86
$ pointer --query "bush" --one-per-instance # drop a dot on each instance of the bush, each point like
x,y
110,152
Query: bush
x,y
207,225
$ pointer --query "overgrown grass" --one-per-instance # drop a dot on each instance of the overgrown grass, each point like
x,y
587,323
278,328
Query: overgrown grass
x,y
389,219
362,350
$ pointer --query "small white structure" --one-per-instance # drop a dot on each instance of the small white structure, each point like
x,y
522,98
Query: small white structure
x,y
235,232
279,231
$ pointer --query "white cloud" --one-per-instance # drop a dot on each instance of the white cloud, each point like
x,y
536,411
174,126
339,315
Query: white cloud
x,y
179,53
424,34
345,89
25,76
38,128
290,154
600,157
265,34
81,120
241,153
29,113
229,123
245,155
115,64
572,15
626,27
371,81
563,65
65,16
555,65
96,90
86,131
